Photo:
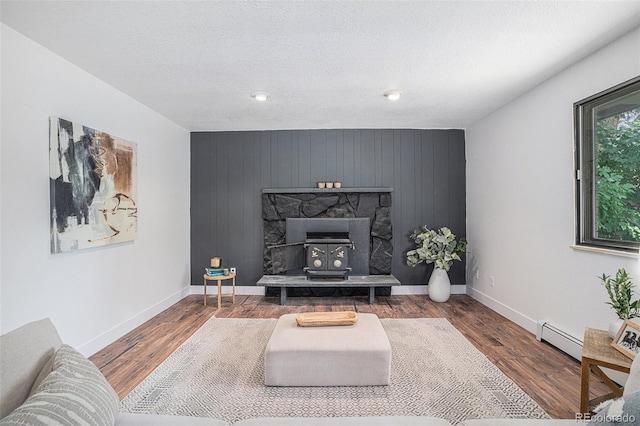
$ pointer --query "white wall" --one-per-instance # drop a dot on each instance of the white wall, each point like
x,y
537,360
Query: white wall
x,y
520,201
93,296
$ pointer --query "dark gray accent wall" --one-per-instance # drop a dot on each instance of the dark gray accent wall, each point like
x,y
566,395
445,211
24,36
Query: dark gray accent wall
x,y
425,168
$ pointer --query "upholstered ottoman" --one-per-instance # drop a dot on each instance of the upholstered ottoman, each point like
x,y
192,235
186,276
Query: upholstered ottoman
x,y
353,355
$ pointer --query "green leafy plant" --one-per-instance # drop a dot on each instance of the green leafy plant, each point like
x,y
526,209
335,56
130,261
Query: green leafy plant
x,y
438,247
618,176
616,220
620,290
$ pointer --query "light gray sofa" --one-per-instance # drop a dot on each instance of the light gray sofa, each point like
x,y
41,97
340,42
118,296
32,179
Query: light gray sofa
x,y
35,364
33,360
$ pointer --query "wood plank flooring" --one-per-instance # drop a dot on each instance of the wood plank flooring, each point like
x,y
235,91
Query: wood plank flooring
x,y
549,376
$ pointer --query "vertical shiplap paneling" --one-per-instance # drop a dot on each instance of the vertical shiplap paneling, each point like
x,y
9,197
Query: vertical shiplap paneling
x,y
318,156
406,187
418,189
408,181
377,166
284,160
211,212
265,159
200,196
273,142
423,170
441,179
349,171
197,188
234,247
387,164
295,155
357,158
331,138
457,195
222,190
461,187
251,201
340,156
426,168
304,159
428,178
255,264
367,157
398,264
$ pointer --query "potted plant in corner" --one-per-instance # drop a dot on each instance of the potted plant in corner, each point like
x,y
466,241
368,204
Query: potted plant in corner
x,y
620,291
440,248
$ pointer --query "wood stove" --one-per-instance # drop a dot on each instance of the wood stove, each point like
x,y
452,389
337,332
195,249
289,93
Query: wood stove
x,y
323,248
327,255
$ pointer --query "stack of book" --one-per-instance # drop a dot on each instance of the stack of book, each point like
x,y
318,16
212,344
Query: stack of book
x,y
214,272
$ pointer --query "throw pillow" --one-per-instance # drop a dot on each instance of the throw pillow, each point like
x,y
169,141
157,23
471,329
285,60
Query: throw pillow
x,y
623,411
74,393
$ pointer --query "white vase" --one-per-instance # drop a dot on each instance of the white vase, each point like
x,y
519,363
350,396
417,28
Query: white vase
x,y
439,285
614,327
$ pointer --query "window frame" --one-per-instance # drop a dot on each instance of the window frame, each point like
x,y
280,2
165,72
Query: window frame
x,y
585,173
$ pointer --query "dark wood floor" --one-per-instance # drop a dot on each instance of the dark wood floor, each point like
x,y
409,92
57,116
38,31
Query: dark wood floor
x,y
549,376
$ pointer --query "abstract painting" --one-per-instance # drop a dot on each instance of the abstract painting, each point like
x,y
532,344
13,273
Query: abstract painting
x,y
92,184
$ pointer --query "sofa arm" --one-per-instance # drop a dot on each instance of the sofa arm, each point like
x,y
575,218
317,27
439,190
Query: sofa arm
x,y
23,354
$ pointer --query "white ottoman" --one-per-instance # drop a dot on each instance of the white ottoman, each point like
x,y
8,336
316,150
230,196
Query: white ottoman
x,y
354,355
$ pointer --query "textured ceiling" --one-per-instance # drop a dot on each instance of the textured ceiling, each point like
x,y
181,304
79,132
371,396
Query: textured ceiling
x,y
325,64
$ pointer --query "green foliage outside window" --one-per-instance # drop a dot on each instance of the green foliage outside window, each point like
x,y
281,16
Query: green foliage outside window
x,y
618,180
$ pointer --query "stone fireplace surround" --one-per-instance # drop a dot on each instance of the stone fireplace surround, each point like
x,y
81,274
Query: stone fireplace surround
x,y
279,204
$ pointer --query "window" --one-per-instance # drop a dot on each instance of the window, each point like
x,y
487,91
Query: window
x,y
608,168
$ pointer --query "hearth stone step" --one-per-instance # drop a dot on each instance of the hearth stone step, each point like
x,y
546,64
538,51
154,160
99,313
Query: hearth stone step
x,y
286,281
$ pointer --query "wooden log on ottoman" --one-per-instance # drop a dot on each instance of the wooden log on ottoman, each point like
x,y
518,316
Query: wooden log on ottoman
x,y
353,355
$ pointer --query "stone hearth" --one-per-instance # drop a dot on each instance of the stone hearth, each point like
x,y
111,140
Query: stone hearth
x,y
279,204
374,204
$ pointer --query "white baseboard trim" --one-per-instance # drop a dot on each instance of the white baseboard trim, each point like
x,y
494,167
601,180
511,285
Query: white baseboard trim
x,y
405,290
113,334
246,290
519,318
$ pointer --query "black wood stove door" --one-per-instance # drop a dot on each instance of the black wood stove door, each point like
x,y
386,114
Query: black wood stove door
x,y
317,257
337,256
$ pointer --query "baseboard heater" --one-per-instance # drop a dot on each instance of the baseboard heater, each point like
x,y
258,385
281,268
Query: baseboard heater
x,y
560,339
572,347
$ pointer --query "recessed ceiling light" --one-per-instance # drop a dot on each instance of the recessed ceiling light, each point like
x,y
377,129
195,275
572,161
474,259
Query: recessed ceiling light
x,y
260,96
392,95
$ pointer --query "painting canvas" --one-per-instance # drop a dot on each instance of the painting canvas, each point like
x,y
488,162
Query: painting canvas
x,y
92,178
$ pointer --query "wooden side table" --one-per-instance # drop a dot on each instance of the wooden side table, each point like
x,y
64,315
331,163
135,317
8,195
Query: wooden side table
x,y
597,352
221,278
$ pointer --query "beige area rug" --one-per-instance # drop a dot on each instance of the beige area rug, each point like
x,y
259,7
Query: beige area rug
x,y
436,371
